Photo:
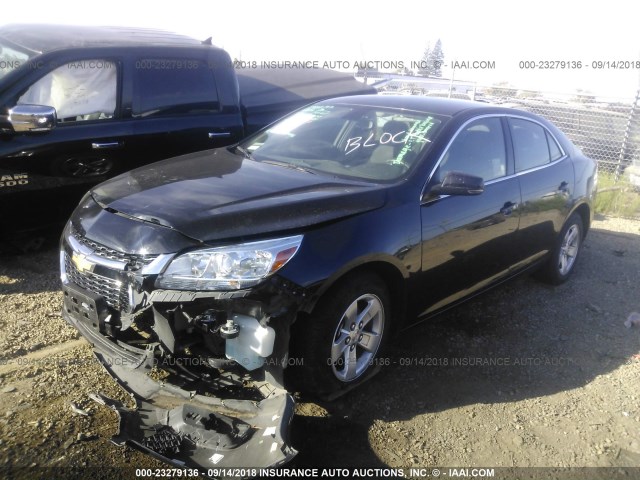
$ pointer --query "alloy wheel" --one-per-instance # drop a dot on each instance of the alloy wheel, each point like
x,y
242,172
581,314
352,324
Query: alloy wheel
x,y
357,337
569,249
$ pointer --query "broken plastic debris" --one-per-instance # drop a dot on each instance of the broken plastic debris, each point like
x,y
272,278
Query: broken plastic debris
x,y
165,441
269,431
216,457
634,319
76,409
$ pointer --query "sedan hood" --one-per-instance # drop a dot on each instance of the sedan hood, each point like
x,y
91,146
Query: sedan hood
x,y
216,194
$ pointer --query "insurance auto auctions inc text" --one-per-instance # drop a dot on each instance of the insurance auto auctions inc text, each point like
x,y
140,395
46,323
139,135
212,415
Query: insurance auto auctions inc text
x,y
368,473
362,64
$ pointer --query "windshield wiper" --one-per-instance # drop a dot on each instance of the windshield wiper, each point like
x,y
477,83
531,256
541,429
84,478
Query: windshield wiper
x,y
290,166
246,153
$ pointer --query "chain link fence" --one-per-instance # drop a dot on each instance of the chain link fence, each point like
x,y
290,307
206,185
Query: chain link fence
x,y
605,129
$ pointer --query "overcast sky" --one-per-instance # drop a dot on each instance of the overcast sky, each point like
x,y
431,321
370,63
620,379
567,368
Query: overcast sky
x,y
349,31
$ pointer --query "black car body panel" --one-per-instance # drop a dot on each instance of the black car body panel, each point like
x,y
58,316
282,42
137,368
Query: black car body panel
x,y
160,95
208,190
139,238
348,217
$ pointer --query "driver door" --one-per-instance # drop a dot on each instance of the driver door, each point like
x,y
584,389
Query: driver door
x,y
468,240
87,144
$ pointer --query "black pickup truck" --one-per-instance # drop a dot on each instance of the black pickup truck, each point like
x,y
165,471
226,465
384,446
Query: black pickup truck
x,y
81,104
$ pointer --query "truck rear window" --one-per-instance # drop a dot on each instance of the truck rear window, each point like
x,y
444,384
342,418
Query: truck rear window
x,y
173,86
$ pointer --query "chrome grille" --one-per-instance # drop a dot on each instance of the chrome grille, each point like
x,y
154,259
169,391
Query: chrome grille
x,y
113,291
106,252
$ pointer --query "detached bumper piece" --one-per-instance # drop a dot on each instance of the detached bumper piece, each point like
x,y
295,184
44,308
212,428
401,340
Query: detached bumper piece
x,y
194,437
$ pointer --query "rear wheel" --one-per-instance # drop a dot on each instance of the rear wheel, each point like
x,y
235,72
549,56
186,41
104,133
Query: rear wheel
x,y
563,258
343,338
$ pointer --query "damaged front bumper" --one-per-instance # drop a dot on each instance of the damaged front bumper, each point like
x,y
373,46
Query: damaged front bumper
x,y
188,429
215,415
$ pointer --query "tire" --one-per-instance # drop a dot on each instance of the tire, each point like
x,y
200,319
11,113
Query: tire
x,y
563,259
339,343
85,166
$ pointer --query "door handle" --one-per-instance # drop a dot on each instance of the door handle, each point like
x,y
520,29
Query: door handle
x,y
508,208
104,145
219,134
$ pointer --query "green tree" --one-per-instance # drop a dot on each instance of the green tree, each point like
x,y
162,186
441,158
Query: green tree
x,y
436,60
432,61
423,71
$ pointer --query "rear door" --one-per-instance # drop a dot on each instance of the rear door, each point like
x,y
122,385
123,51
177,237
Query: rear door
x,y
546,180
468,242
176,105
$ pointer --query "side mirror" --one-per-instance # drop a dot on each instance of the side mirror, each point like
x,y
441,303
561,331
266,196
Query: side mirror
x,y
32,118
458,183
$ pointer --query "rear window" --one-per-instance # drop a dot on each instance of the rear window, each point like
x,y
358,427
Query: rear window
x,y
533,146
554,150
173,86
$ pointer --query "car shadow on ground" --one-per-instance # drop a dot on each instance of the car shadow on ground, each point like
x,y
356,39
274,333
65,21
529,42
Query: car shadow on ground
x,y
521,341
32,272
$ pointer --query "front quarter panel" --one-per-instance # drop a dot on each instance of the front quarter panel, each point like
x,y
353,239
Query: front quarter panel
x,y
389,236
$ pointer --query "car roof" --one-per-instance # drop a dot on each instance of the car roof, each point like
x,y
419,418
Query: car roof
x,y
442,106
41,38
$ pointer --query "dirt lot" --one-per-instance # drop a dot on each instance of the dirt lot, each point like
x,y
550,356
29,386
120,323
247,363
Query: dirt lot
x,y
525,376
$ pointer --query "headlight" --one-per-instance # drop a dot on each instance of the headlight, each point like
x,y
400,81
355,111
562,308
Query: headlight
x,y
228,268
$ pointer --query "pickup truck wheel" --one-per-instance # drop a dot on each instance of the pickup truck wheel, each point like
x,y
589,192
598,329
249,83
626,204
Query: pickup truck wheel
x,y
563,258
341,341
85,166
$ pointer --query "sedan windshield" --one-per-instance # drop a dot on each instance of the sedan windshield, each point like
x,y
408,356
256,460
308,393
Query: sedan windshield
x,y
363,142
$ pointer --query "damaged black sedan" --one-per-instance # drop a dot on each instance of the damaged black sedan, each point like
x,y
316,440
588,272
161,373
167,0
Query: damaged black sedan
x,y
213,284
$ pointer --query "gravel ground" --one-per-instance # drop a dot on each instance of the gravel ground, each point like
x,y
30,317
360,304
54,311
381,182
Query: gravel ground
x,y
524,376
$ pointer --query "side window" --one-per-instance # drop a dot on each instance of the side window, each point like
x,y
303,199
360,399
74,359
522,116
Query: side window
x,y
79,91
554,150
477,150
532,145
173,86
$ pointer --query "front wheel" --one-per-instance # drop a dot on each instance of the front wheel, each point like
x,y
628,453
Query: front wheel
x,y
85,166
341,341
563,258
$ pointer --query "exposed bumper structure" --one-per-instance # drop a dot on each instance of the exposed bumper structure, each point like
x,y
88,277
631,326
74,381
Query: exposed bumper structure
x,y
214,413
187,429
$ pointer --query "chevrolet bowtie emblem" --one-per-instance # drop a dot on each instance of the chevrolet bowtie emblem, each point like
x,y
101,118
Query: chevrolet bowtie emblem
x,y
81,262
